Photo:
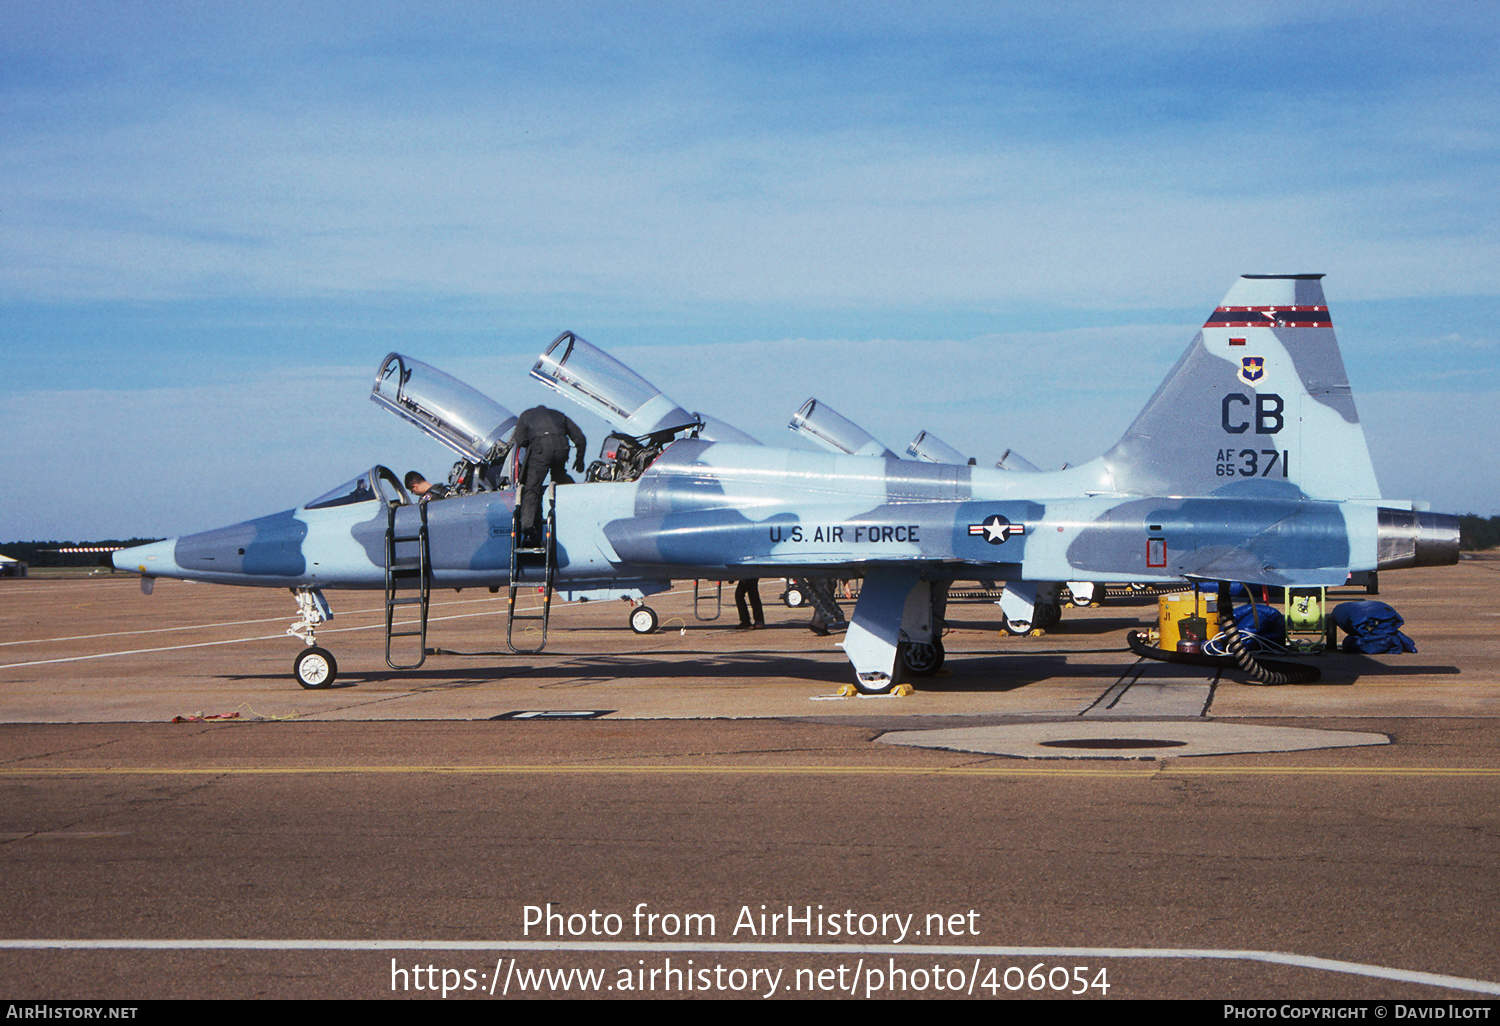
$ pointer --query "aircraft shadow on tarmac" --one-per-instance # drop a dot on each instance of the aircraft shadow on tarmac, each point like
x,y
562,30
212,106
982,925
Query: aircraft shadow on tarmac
x,y
1002,671
713,669
1349,666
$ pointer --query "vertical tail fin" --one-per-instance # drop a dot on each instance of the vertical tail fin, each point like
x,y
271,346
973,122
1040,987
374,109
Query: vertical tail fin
x,y
1260,397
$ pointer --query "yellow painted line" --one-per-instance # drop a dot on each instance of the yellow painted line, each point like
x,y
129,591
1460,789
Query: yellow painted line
x,y
522,769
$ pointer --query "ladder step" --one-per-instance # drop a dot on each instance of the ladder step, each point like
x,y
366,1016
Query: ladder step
x,y
532,565
411,572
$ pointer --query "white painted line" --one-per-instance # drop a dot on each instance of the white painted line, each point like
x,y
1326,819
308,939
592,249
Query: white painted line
x,y
278,637
604,947
140,651
228,623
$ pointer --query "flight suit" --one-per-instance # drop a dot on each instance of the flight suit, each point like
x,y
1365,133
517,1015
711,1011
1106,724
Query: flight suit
x,y
545,433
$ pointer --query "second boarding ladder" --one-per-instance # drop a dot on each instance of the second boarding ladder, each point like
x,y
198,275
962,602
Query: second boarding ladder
x,y
532,563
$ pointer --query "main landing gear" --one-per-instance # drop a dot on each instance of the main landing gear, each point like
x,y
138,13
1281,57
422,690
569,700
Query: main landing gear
x,y
922,658
1047,615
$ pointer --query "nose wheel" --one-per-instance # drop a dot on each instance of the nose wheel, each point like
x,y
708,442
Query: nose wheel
x,y
315,668
643,619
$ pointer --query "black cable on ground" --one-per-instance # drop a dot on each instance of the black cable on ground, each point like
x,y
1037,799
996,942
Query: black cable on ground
x,y
1260,672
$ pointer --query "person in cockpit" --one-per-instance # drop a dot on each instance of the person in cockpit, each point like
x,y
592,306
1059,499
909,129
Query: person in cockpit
x,y
423,488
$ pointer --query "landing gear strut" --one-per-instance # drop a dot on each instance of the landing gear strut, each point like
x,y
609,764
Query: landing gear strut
x,y
314,667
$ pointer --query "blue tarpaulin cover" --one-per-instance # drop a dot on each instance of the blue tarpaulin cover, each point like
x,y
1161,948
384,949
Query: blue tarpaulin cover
x,y
1262,621
1372,628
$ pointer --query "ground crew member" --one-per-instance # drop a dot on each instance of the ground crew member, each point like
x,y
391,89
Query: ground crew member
x,y
545,433
746,599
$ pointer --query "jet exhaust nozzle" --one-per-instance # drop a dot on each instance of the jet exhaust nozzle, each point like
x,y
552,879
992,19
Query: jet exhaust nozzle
x,y
1410,538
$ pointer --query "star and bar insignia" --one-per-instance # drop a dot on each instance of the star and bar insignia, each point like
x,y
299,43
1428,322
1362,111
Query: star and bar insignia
x,y
995,529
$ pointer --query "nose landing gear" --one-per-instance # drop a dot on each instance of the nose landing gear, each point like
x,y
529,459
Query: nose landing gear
x,y
314,667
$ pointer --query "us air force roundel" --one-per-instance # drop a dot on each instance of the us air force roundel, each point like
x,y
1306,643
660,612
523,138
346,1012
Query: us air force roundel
x,y
996,529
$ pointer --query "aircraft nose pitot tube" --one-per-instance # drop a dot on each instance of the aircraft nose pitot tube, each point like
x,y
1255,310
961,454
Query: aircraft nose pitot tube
x,y
1409,538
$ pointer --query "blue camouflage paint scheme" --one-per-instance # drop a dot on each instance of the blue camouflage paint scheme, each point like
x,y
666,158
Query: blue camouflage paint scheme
x,y
1271,532
1268,481
267,547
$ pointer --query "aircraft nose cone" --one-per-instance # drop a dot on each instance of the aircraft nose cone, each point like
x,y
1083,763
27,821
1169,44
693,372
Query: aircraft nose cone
x,y
156,559
269,546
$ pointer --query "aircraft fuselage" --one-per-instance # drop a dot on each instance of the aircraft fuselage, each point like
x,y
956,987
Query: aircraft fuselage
x,y
723,511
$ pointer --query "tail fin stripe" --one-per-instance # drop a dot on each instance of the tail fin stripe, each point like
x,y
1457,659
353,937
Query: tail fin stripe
x,y
1270,317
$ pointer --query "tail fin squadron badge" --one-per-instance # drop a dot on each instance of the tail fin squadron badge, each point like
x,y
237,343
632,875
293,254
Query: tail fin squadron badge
x,y
1252,369
996,529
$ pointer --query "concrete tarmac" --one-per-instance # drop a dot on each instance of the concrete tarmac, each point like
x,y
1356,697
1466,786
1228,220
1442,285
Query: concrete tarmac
x,y
1048,816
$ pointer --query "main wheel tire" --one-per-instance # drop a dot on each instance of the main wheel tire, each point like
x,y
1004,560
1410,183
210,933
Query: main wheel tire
x,y
315,668
794,598
1048,615
643,619
1096,599
922,659
884,688
1018,628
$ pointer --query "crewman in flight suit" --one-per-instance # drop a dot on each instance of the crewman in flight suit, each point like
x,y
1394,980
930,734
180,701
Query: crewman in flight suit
x,y
545,433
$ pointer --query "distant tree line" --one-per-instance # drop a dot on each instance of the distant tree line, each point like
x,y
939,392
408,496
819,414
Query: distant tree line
x,y
1475,532
45,554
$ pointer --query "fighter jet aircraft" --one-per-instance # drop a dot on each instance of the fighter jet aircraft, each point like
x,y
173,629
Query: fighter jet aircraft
x,y
1248,464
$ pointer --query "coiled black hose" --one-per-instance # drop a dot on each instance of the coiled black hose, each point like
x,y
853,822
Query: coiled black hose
x,y
1260,671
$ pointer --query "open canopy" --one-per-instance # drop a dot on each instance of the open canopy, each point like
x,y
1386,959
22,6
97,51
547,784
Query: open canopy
x,y
606,387
462,418
835,432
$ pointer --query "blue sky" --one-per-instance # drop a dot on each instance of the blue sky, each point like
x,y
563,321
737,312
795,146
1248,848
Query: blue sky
x,y
998,222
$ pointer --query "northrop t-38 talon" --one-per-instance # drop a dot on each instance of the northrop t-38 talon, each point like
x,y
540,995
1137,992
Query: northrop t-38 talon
x,y
1247,464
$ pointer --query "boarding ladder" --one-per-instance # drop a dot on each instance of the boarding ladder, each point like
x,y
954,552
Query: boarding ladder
x,y
819,592
531,566
701,600
408,560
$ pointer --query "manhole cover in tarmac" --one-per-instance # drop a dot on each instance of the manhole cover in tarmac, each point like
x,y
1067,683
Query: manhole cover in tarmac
x,y
1092,739
1112,742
